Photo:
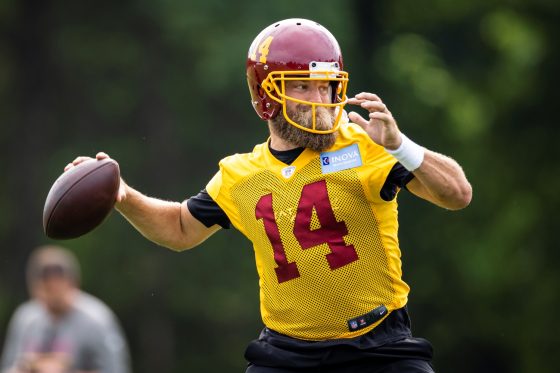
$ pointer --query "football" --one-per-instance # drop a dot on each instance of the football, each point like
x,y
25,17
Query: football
x,y
81,198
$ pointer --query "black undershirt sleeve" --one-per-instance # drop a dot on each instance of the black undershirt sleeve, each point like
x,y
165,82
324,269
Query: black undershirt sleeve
x,y
398,178
207,211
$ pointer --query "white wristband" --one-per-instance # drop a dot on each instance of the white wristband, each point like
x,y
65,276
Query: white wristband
x,y
409,153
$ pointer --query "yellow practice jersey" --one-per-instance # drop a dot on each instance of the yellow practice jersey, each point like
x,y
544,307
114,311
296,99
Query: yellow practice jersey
x,y
325,242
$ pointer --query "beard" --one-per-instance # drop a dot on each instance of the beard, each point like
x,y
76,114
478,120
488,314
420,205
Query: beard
x,y
303,115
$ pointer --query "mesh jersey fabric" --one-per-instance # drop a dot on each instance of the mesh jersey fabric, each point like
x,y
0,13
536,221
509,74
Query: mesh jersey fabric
x,y
325,244
206,211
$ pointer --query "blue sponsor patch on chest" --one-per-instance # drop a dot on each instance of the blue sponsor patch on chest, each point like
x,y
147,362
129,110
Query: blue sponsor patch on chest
x,y
341,159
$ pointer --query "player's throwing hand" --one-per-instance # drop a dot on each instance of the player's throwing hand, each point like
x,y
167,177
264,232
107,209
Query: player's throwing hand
x,y
121,195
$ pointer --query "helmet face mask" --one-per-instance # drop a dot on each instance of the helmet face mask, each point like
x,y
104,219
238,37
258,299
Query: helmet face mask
x,y
295,49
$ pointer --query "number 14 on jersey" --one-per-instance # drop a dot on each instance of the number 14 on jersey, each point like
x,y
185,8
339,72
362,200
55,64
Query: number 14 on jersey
x,y
331,232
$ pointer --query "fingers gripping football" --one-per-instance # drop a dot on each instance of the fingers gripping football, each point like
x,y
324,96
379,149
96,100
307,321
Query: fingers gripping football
x,y
99,156
380,124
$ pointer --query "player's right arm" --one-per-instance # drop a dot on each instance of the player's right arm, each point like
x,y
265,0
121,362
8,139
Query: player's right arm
x,y
169,224
166,223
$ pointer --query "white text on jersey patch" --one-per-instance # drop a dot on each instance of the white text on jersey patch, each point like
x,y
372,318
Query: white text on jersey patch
x,y
342,159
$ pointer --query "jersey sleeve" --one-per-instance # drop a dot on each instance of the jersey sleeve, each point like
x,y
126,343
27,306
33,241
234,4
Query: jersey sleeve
x,y
232,169
387,175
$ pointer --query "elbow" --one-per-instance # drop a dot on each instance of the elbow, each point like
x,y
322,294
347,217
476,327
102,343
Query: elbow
x,y
179,247
461,198
175,248
176,244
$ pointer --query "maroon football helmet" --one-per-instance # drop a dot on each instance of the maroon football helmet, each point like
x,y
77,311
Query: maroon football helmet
x,y
294,49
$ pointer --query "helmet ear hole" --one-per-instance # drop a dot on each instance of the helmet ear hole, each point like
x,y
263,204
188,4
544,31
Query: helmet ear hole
x,y
336,88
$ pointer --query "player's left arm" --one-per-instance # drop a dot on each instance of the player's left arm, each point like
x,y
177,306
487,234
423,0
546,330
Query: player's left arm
x,y
438,178
441,180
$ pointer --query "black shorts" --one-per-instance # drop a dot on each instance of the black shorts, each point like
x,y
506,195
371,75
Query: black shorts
x,y
389,347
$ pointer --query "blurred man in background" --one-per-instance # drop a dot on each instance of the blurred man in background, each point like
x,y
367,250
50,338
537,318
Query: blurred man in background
x,y
61,328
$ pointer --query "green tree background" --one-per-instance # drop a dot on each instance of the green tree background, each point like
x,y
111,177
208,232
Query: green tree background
x,y
160,86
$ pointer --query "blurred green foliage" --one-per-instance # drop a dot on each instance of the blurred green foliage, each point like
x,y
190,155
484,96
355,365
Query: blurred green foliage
x,y
161,87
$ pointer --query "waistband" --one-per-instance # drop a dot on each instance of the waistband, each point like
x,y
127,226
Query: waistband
x,y
395,326
389,340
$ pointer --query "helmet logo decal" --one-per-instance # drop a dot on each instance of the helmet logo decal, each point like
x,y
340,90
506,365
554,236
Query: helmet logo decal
x,y
262,50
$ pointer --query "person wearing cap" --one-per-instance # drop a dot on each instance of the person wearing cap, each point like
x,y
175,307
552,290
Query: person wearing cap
x,y
62,328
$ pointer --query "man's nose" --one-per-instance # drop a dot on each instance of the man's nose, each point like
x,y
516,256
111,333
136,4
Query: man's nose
x,y
315,95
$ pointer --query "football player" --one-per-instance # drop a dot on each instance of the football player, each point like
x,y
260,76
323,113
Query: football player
x,y
318,200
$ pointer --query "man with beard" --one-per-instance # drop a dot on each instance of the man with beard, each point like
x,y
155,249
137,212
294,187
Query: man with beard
x,y
318,202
